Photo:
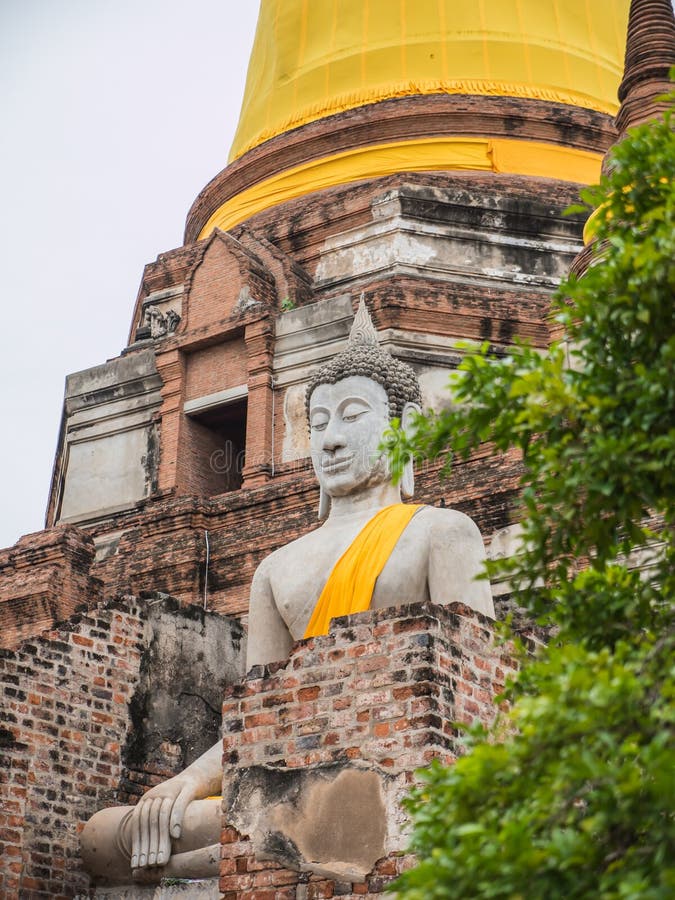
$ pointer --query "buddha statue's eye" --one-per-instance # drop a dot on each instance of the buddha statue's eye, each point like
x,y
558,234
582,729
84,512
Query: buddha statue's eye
x,y
353,411
319,421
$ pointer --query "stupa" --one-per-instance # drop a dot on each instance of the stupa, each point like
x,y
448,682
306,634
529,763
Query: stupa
x,y
423,157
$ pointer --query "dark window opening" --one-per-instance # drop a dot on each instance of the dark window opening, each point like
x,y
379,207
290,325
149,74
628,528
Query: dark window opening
x,y
218,445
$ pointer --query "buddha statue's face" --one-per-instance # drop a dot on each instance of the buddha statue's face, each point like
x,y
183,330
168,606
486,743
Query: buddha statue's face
x,y
347,421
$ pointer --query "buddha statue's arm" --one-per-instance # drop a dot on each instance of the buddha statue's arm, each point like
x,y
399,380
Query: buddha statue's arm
x,y
158,816
456,558
269,639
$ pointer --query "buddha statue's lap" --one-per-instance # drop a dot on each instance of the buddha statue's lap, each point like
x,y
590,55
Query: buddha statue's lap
x,y
370,551
108,840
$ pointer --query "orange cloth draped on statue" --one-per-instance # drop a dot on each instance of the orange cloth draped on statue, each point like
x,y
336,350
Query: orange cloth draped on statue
x,y
350,586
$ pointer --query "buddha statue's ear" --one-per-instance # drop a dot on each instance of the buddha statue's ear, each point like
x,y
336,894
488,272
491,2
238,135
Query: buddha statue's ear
x,y
410,410
324,504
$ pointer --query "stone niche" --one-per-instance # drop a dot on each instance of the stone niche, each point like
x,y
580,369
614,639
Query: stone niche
x,y
109,441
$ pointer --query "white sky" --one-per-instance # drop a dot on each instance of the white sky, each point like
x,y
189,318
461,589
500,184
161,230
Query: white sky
x,y
113,115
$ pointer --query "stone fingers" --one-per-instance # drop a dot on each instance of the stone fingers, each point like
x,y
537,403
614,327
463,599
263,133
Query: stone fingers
x,y
135,837
153,843
145,833
164,849
178,811
150,837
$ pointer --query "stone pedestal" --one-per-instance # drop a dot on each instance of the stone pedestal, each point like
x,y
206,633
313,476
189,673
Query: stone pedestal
x,y
320,749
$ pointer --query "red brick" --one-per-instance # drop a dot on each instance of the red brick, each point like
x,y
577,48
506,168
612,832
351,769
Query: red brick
x,y
308,693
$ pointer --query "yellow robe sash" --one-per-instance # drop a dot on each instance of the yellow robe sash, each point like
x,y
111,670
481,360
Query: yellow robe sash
x,y
350,585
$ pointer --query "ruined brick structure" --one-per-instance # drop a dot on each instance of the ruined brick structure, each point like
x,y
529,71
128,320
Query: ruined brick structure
x,y
382,690
86,721
184,461
46,577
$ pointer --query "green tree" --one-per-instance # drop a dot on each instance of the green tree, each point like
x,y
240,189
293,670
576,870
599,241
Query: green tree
x,y
579,801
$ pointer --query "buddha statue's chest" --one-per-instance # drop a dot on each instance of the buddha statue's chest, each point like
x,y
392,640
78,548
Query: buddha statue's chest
x,y
298,583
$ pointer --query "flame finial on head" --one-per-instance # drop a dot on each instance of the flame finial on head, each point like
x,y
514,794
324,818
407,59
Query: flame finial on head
x,y
363,356
363,330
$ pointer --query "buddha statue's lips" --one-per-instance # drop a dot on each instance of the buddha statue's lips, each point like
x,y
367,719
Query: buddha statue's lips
x,y
336,464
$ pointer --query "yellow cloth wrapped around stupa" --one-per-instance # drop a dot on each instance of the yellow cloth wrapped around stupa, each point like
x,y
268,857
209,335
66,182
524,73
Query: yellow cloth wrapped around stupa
x,y
314,58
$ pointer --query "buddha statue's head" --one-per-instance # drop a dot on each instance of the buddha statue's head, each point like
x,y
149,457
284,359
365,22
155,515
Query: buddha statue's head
x,y
350,402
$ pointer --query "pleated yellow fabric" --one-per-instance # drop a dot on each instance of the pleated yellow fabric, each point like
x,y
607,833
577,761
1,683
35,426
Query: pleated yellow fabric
x,y
591,225
502,155
314,58
350,586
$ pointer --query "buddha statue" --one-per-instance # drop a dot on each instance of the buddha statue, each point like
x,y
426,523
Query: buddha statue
x,y
371,551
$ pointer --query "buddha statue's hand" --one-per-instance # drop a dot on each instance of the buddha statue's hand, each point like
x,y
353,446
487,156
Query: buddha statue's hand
x,y
157,818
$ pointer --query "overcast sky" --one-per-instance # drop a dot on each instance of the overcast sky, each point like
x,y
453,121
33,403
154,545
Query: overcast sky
x,y
114,114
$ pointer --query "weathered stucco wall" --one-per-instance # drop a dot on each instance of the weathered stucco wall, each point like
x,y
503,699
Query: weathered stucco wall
x,y
109,443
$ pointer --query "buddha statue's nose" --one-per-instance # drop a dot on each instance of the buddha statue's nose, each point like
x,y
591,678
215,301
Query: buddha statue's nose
x,y
333,436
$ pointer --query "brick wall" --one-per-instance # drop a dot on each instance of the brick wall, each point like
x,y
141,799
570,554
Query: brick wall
x,y
92,713
215,285
65,716
44,577
216,368
244,878
384,686
163,547
383,689
461,311
213,457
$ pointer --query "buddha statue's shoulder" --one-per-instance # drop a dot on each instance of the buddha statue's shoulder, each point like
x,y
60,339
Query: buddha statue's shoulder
x,y
455,556
443,524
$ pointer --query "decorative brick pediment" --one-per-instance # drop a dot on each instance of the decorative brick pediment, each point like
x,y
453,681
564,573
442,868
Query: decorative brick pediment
x,y
226,280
